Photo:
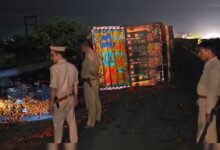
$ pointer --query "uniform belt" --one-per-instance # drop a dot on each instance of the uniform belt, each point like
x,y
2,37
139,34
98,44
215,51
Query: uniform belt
x,y
57,100
202,96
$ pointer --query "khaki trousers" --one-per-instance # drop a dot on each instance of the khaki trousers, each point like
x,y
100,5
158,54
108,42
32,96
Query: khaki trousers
x,y
208,146
211,136
65,112
216,147
68,146
93,103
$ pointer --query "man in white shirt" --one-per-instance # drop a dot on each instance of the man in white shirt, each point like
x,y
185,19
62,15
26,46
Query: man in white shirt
x,y
90,75
208,90
64,91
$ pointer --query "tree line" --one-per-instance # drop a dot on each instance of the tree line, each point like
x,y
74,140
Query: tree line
x,y
35,48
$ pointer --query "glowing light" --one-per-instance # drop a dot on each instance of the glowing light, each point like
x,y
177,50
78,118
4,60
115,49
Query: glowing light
x,y
114,88
212,35
199,41
2,105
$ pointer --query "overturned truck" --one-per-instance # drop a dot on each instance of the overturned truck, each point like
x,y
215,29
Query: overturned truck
x,y
133,55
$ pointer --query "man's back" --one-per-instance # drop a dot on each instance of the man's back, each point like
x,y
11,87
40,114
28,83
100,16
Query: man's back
x,y
207,76
64,75
215,64
91,63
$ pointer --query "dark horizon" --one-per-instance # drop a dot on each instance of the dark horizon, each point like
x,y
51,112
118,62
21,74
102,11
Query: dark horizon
x,y
198,17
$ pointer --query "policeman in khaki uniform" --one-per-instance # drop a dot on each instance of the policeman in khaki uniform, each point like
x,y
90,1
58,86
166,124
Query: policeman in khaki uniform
x,y
64,91
208,91
90,75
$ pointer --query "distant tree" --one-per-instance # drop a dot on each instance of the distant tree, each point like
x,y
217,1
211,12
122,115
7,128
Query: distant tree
x,y
59,31
24,50
34,49
13,44
1,44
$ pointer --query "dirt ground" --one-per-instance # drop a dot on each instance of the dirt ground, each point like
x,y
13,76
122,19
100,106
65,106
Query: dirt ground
x,y
162,117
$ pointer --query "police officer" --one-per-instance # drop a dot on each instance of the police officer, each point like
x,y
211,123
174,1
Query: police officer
x,y
90,75
64,91
208,90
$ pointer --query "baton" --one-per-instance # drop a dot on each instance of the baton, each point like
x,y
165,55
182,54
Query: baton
x,y
213,113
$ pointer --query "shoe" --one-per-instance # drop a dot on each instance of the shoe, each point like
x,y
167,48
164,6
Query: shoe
x,y
98,121
89,127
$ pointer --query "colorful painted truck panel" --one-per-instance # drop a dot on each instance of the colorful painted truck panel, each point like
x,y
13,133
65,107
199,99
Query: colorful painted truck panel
x,y
109,43
133,55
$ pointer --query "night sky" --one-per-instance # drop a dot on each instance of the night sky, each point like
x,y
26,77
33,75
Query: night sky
x,y
186,16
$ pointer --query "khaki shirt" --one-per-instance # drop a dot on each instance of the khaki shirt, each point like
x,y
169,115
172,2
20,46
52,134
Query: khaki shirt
x,y
209,84
91,63
63,76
